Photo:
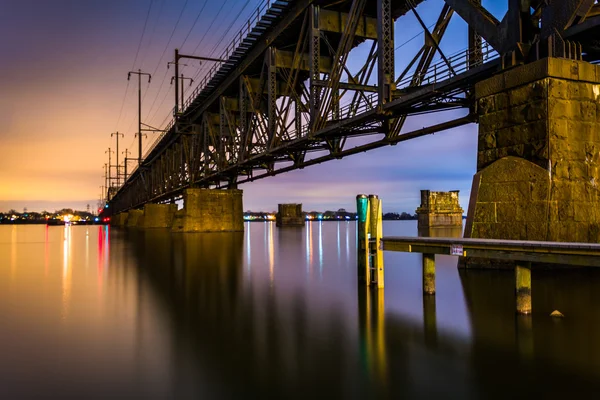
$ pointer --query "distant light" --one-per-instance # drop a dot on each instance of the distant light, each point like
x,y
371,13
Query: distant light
x,y
96,219
347,217
106,206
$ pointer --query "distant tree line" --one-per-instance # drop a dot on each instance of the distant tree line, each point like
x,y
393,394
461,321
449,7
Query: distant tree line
x,y
31,217
399,217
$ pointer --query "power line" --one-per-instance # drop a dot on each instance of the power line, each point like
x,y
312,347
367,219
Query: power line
x,y
162,3
194,24
122,105
143,33
162,57
210,26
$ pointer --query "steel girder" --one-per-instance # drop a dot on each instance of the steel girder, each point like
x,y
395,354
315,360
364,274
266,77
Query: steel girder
x,y
293,99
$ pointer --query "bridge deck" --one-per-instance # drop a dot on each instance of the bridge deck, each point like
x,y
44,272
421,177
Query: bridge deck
x,y
580,254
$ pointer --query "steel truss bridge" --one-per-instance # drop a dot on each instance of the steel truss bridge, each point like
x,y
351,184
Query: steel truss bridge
x,y
289,93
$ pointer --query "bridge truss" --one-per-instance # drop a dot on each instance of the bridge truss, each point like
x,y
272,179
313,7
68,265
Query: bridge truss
x,y
290,94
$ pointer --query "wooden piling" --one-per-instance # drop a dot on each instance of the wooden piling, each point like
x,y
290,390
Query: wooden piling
x,y
523,287
376,233
362,256
428,273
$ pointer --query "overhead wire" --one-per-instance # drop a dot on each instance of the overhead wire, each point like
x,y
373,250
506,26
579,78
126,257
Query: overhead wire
x,y
160,60
194,24
143,33
193,52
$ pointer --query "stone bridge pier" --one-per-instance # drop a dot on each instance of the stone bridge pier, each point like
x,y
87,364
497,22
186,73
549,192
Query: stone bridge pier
x,y
538,154
290,215
210,210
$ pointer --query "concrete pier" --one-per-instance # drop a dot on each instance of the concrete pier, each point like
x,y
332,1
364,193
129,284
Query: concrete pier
x,y
210,210
438,209
290,215
133,218
538,154
157,216
119,220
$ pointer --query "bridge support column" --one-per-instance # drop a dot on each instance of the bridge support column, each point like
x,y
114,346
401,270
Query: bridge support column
x,y
210,210
119,220
157,216
133,218
290,215
538,155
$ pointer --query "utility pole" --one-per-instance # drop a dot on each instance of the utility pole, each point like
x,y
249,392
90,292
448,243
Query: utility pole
x,y
109,151
139,73
182,78
178,56
126,152
118,176
105,181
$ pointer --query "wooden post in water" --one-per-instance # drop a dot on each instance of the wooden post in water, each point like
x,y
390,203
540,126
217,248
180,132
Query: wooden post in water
x,y
376,232
428,273
523,289
362,226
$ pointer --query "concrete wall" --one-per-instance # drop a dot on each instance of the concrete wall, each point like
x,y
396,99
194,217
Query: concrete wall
x,y
538,154
290,215
133,218
439,209
119,220
210,210
157,216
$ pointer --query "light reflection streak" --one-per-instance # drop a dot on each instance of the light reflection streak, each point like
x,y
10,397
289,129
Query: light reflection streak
x,y
100,257
106,247
13,252
271,247
338,240
46,261
248,251
347,241
66,276
309,253
87,247
320,249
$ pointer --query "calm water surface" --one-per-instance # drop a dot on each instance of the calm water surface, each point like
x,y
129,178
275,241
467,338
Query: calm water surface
x,y
97,312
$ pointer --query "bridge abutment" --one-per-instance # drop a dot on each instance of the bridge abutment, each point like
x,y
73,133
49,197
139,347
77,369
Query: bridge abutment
x,y
157,216
538,154
133,218
210,210
290,215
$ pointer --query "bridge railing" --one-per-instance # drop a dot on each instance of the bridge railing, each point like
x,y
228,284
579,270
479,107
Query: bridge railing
x,y
231,47
442,70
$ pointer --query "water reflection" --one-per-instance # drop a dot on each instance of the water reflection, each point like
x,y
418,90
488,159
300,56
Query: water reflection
x,y
441,231
185,316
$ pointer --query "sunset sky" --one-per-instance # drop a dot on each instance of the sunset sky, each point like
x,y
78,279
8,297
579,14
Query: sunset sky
x,y
64,89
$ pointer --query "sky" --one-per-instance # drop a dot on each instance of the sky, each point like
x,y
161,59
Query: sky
x,y
64,90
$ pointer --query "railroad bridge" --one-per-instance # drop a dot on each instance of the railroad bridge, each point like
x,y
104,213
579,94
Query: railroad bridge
x,y
290,90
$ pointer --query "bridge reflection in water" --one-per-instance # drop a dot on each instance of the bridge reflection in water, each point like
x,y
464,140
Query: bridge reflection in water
x,y
275,312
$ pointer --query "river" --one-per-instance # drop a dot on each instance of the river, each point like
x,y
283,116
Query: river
x,y
99,312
